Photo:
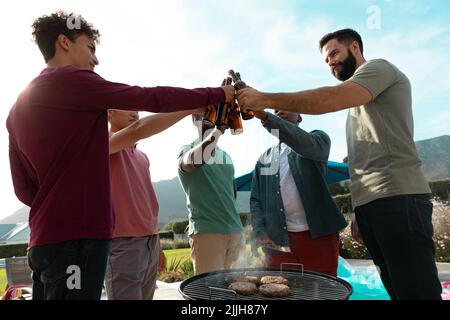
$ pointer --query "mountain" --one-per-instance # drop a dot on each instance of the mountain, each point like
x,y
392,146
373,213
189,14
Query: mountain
x,y
434,153
171,198
18,217
435,156
172,201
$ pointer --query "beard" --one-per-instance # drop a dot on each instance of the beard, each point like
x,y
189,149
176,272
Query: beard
x,y
348,67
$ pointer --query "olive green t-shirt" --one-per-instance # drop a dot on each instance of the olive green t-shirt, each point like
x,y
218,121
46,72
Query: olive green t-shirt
x,y
383,159
210,194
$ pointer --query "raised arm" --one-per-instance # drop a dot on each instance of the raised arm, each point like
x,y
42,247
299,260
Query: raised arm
x,y
200,155
313,145
145,128
316,101
84,89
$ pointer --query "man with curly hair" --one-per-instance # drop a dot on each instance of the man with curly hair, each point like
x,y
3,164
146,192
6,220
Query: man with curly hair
x,y
59,157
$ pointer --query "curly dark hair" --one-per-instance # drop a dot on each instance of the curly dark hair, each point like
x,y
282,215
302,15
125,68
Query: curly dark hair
x,y
346,36
46,30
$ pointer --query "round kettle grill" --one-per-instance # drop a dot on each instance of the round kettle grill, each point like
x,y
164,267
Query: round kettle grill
x,y
304,285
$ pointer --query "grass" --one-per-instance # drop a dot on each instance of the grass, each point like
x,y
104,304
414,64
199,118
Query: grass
x,y
178,265
2,281
177,254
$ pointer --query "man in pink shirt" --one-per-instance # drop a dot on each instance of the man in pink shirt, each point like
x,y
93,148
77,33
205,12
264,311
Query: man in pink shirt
x,y
59,157
134,253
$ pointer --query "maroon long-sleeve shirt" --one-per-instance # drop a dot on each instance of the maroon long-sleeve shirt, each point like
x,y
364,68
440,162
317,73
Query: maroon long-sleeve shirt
x,y
58,147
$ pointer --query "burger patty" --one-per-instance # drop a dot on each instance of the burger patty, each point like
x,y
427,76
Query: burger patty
x,y
241,278
244,288
274,290
274,280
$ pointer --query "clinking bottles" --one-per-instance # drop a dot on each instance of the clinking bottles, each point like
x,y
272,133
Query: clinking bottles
x,y
239,85
225,116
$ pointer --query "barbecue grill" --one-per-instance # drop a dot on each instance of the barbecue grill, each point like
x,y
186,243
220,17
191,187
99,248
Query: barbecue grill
x,y
305,285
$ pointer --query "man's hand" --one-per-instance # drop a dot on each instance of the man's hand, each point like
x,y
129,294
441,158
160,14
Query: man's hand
x,y
252,99
230,93
355,231
265,241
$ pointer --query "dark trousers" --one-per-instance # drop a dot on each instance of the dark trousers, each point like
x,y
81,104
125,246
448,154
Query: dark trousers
x,y
71,270
399,236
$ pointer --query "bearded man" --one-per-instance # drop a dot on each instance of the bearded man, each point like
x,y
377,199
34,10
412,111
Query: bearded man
x,y
390,194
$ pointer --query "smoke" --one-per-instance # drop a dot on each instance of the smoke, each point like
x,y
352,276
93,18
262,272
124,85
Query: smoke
x,y
249,255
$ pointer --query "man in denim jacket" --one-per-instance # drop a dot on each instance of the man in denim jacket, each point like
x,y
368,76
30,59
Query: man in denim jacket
x,y
290,202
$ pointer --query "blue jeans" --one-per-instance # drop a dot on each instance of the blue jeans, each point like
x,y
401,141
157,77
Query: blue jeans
x,y
71,270
399,236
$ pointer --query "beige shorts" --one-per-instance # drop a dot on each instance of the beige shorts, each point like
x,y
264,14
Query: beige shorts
x,y
214,251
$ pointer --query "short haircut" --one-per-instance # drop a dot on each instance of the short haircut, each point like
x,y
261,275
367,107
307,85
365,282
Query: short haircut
x,y
46,30
346,36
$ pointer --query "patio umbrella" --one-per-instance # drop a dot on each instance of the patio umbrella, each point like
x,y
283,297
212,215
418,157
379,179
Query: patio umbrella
x,y
336,172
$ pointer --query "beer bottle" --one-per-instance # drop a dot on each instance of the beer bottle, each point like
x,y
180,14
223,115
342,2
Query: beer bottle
x,y
239,85
210,116
223,111
234,119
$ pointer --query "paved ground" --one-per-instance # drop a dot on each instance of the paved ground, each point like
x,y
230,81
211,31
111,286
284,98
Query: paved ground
x,y
167,291
164,291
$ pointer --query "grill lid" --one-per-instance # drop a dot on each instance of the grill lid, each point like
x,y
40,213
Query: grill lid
x,y
305,285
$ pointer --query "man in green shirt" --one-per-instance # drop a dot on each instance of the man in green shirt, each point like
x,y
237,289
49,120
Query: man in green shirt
x,y
389,191
206,173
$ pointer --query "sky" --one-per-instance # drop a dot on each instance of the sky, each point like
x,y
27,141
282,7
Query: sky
x,y
273,44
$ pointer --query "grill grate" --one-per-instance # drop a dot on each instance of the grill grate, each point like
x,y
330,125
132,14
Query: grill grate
x,y
305,285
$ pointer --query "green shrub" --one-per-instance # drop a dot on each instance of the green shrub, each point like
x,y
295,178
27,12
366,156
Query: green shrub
x,y
442,243
344,202
337,189
441,189
354,249
166,235
188,268
179,226
13,250
441,226
174,271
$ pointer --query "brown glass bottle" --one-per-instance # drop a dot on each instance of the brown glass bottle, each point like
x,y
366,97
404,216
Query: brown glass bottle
x,y
239,85
210,116
234,119
223,110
